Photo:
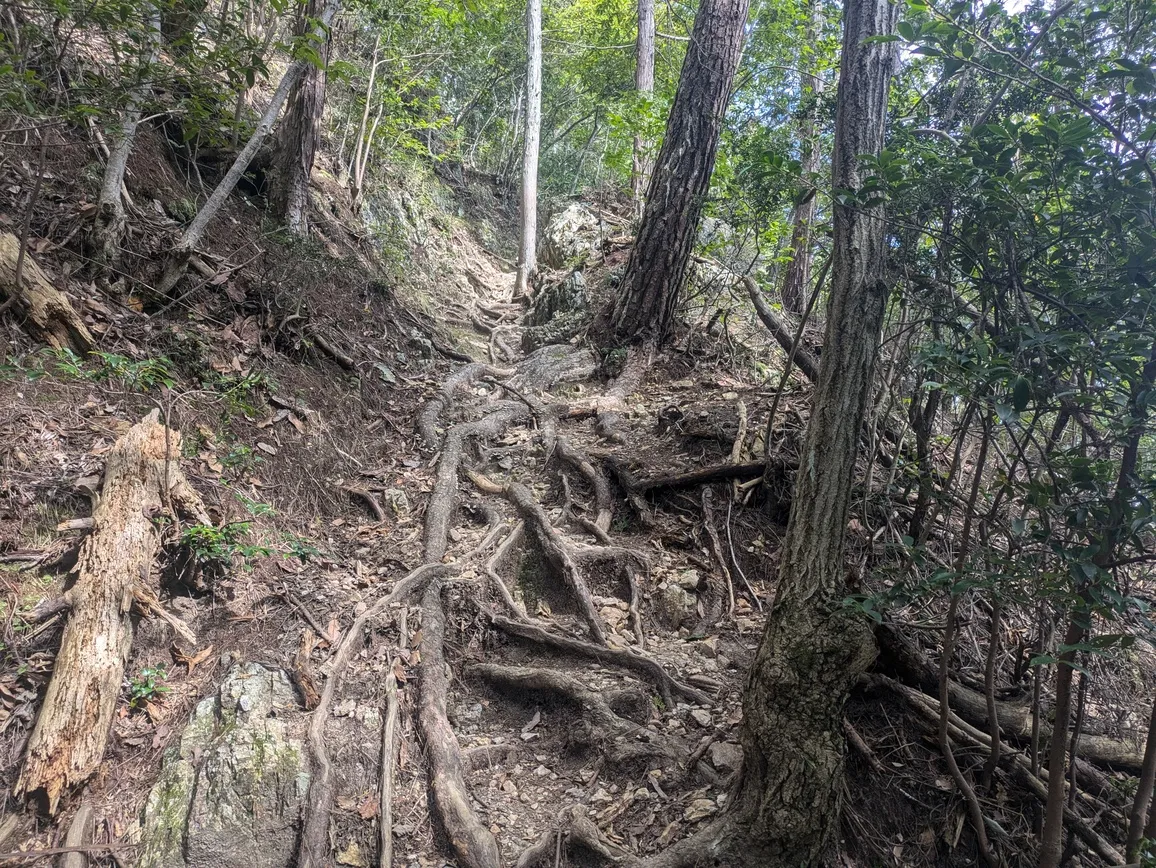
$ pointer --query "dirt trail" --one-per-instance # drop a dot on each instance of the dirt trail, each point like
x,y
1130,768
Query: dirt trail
x,y
594,685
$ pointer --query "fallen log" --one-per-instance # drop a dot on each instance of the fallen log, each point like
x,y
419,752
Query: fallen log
x,y
901,659
46,311
142,480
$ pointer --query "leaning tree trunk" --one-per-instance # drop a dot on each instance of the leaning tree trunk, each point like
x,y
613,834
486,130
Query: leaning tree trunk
x,y
656,270
109,224
47,313
814,648
297,140
527,248
178,259
142,480
798,274
644,86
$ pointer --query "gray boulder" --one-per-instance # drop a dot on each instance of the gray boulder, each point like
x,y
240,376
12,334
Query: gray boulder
x,y
571,237
230,792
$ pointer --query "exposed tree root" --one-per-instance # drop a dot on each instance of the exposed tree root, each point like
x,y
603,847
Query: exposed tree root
x,y
607,731
726,593
603,499
388,753
638,362
573,828
314,846
717,473
462,378
472,842
553,548
441,502
667,686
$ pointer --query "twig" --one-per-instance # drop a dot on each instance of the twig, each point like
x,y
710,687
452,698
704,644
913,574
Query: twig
x,y
307,615
368,498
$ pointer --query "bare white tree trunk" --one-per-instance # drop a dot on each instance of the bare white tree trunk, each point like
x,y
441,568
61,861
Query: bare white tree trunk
x,y
108,227
527,251
361,151
179,257
644,84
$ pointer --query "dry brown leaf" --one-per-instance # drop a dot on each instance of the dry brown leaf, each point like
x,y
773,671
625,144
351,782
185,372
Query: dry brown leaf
x,y
191,661
399,672
369,808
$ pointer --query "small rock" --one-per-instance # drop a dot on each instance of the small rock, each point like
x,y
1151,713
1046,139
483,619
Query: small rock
x,y
509,787
708,647
725,756
541,771
701,716
698,809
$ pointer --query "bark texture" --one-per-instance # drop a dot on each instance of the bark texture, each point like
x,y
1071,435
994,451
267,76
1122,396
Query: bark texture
x,y
297,141
47,313
644,85
528,246
656,270
814,648
142,479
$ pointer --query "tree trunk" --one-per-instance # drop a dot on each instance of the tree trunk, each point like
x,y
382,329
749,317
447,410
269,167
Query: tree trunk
x,y
142,480
1114,533
644,85
361,150
814,648
798,274
48,315
178,260
656,270
527,248
1138,817
297,141
108,227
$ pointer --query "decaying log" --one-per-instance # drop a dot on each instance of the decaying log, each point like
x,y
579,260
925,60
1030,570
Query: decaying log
x,y
142,479
46,311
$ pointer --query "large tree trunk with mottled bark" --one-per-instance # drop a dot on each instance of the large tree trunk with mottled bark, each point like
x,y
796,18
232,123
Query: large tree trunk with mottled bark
x,y
527,248
656,270
798,274
297,141
142,481
46,312
814,648
644,85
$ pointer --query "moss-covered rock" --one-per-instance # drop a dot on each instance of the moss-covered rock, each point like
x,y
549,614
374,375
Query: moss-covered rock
x,y
230,792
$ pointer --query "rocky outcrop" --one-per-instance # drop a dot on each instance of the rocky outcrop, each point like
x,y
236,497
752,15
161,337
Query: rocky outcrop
x,y
571,237
559,313
230,791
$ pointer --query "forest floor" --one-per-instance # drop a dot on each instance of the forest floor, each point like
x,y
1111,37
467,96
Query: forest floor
x,y
599,615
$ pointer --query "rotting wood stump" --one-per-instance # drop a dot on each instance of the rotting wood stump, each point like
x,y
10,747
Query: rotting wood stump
x,y
48,314
142,482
